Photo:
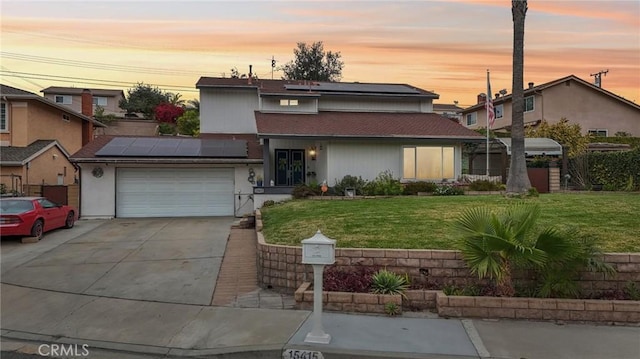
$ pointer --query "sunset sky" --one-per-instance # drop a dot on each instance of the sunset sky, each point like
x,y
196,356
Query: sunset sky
x,y
441,46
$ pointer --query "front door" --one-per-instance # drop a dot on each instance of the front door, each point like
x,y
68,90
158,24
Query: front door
x,y
289,167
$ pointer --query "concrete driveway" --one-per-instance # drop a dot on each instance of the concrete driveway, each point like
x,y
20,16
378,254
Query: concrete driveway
x,y
171,260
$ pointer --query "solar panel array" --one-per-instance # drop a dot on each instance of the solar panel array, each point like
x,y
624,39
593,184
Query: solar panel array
x,y
173,147
355,88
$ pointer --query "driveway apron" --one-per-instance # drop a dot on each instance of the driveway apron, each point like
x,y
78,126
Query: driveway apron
x,y
171,260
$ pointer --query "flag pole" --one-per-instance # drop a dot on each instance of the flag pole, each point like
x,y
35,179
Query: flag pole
x,y
486,107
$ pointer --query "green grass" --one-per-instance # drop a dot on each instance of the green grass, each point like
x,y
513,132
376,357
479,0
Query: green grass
x,y
425,222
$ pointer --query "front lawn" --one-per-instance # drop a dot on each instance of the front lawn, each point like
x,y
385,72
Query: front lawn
x,y
424,222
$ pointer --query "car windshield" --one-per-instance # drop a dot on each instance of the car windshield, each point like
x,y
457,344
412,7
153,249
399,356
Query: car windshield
x,y
14,206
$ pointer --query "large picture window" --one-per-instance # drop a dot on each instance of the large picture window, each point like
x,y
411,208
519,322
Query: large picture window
x,y
428,162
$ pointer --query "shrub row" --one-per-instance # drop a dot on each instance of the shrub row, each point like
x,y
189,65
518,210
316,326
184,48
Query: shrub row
x,y
616,171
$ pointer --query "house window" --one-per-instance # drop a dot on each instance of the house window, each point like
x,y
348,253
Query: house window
x,y
99,101
428,162
66,117
472,119
599,132
63,99
4,119
499,110
286,102
528,104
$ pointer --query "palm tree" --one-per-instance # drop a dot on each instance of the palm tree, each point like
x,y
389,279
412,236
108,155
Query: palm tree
x,y
194,104
493,245
518,180
175,99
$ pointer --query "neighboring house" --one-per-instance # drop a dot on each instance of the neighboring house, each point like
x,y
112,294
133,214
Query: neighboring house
x,y
36,137
71,97
288,132
123,125
596,110
452,111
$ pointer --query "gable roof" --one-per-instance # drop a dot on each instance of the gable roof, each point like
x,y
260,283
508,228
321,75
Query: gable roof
x,y
13,93
316,88
331,124
446,107
8,90
78,91
531,91
19,156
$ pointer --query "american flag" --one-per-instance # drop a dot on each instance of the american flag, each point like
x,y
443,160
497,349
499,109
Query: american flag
x,y
491,114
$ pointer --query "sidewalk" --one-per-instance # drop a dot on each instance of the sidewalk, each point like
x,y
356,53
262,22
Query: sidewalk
x,y
243,324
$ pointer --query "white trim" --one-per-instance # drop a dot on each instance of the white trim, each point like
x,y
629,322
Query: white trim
x,y
6,118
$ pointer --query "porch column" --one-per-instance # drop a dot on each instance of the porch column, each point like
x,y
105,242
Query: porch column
x,y
266,162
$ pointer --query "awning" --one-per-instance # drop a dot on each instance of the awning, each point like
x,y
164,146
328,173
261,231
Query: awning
x,y
535,146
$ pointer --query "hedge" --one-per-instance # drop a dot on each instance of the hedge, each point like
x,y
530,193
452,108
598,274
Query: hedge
x,y
615,170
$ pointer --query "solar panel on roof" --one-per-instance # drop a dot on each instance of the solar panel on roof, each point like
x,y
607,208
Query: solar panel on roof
x,y
173,147
354,87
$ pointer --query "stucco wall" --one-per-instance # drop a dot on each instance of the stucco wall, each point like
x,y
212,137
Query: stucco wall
x,y
18,123
228,111
578,104
46,123
45,168
6,179
98,195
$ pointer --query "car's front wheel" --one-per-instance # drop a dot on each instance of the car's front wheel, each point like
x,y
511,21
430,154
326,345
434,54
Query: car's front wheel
x,y
38,229
70,220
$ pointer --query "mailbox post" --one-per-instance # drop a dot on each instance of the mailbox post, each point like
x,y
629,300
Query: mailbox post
x,y
318,251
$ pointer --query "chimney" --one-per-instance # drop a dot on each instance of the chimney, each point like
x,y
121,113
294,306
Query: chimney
x,y
87,103
250,73
530,85
497,95
482,98
87,110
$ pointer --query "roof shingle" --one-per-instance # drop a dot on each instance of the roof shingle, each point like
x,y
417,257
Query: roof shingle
x,y
361,124
19,154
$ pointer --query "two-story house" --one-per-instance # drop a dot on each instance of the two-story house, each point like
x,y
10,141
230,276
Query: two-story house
x,y
287,132
596,110
36,138
71,97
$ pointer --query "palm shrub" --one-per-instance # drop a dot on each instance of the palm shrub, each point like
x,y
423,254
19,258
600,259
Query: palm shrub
x,y
387,282
493,244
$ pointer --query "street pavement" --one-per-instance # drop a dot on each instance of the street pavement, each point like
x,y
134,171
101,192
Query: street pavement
x,y
84,287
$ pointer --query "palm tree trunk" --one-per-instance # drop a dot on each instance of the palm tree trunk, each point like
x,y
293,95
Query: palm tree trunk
x,y
504,285
518,181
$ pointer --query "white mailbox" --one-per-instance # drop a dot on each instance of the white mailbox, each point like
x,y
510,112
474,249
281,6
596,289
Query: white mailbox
x,y
318,249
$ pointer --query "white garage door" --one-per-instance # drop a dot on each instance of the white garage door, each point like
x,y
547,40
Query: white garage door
x,y
174,192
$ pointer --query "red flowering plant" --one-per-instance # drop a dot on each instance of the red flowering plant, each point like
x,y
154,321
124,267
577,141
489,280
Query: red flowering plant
x,y
168,113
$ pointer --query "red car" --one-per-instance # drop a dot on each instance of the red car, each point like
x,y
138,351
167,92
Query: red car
x,y
32,216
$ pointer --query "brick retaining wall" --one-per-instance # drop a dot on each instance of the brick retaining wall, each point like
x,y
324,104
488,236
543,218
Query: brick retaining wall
x,y
280,267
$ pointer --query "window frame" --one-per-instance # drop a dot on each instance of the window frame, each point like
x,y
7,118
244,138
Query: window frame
x,y
499,109
4,109
64,98
595,131
96,101
444,167
474,116
533,103
286,102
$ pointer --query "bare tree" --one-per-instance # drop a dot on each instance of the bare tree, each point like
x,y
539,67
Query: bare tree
x,y
518,181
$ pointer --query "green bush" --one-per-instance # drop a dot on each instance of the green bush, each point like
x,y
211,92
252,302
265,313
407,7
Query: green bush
x,y
634,142
615,170
448,190
484,185
386,282
349,181
304,191
412,188
166,129
384,185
